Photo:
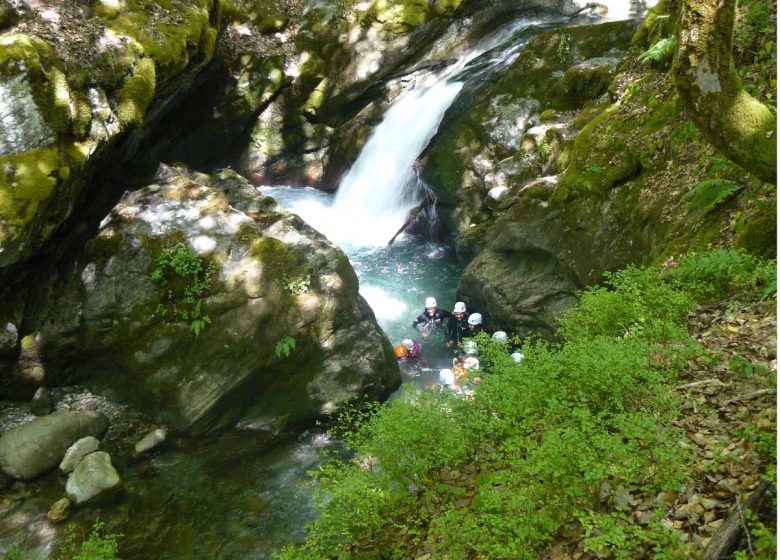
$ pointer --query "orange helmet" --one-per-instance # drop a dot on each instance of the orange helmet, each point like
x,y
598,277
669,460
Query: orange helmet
x,y
401,351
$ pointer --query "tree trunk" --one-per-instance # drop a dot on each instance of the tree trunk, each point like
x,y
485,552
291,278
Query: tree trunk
x,y
740,126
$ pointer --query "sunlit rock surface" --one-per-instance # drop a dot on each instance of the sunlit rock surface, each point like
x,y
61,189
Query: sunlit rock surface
x,y
274,283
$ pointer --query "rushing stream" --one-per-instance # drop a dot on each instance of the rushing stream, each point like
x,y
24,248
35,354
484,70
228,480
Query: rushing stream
x,y
227,499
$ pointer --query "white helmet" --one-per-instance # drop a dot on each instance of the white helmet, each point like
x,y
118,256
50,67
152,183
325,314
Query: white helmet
x,y
460,307
471,363
500,336
475,319
409,343
446,377
517,357
430,302
470,348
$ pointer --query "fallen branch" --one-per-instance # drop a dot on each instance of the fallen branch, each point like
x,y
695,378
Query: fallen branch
x,y
701,383
727,536
412,215
753,395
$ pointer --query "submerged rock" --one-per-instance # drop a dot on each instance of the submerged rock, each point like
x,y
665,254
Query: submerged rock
x,y
201,314
150,441
36,447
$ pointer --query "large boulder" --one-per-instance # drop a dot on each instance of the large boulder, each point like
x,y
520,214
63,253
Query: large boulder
x,y
633,183
74,81
36,447
200,300
495,136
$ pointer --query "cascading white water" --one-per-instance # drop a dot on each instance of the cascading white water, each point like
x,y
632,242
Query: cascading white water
x,y
375,197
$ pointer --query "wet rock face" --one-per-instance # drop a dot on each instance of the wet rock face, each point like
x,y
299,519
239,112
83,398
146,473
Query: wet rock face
x,y
494,165
270,321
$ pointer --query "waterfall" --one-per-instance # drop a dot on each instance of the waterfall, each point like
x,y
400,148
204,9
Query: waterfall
x,y
374,199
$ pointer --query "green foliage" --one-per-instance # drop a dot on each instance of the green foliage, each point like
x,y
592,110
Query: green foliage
x,y
284,347
186,279
297,284
755,49
544,148
564,45
721,273
707,194
763,541
661,51
634,302
538,445
98,545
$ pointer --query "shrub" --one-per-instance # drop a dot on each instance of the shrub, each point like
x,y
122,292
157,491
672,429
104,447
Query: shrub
x,y
720,273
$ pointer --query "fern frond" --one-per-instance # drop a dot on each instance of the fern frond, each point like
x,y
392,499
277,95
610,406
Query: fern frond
x,y
709,193
660,51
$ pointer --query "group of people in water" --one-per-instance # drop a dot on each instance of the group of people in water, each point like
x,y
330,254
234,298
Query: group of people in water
x,y
458,326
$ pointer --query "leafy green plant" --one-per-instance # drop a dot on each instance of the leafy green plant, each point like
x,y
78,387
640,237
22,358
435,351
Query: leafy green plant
x,y
284,347
186,279
564,45
707,194
98,545
297,285
544,148
660,52
720,273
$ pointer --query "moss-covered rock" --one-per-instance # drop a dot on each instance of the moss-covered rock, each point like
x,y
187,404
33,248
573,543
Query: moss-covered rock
x,y
191,315
71,90
636,186
488,136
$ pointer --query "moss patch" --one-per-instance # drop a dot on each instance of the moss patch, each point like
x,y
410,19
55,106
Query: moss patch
x,y
137,93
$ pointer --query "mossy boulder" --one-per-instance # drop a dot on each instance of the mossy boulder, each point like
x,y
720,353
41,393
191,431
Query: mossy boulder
x,y
200,300
491,137
636,185
71,90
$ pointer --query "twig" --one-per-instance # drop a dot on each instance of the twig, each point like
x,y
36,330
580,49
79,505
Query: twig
x,y
747,529
753,395
726,537
711,381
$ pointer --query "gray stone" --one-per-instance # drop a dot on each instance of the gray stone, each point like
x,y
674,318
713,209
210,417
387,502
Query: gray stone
x,y
42,403
22,127
95,478
151,441
36,447
9,337
77,452
207,382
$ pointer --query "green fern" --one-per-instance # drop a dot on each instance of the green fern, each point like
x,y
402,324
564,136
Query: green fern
x,y
284,347
709,193
660,51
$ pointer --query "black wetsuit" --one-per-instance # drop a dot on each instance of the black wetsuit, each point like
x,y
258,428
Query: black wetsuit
x,y
457,330
430,323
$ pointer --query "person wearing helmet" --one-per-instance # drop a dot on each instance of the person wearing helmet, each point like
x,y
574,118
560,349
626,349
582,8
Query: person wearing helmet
x,y
447,380
501,337
413,346
517,357
401,352
430,320
475,324
457,327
